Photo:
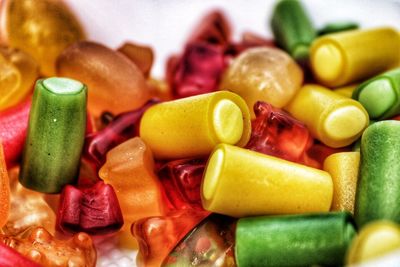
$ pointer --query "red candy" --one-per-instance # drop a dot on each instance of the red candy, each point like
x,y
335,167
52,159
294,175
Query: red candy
x,y
93,210
11,258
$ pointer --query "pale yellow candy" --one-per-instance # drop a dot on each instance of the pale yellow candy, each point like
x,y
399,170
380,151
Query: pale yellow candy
x,y
343,168
335,120
239,182
374,240
193,126
346,91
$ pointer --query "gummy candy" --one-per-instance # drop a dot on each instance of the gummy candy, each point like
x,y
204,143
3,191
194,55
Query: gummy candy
x,y
142,56
11,258
4,189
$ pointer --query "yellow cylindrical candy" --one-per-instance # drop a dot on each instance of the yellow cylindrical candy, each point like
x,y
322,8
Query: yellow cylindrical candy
x,y
346,91
341,58
374,240
335,120
343,167
239,182
193,126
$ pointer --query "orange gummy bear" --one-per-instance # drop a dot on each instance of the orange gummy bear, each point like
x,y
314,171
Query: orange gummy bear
x,y
4,189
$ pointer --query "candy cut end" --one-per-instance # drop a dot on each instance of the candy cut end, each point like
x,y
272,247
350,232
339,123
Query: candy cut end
x,y
227,121
377,97
212,173
301,52
63,85
345,122
327,62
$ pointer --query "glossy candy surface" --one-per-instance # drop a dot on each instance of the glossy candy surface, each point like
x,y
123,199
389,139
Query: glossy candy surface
x,y
41,247
11,258
142,56
4,189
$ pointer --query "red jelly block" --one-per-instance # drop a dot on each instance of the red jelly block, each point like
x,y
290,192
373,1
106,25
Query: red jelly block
x,y
94,210
275,133
181,180
11,258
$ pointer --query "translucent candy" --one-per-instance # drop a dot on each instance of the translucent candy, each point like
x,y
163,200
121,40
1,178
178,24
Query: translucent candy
x,y
41,28
157,236
28,209
276,133
181,180
142,56
40,246
209,244
11,258
18,72
94,210
130,170
4,189
115,83
263,74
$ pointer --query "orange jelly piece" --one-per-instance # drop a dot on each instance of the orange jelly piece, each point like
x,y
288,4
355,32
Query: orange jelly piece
x,y
129,168
4,189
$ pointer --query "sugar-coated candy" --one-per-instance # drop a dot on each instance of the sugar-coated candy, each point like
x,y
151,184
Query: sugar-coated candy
x,y
93,210
380,95
13,127
211,243
346,90
342,58
157,236
292,28
181,180
28,209
335,120
374,240
129,168
239,182
276,133
378,190
19,72
4,189
263,74
294,240
114,83
11,258
343,168
198,71
41,28
41,247
122,127
192,126
142,56
55,136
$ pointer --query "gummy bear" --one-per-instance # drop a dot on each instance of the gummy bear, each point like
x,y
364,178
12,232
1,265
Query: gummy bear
x,y
4,189
276,133
142,56
115,83
181,180
41,28
40,246
93,210
11,258
129,168
157,236
211,243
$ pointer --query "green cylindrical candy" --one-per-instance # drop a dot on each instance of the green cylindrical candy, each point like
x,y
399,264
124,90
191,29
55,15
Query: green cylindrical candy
x,y
378,191
55,136
292,28
339,26
380,95
294,240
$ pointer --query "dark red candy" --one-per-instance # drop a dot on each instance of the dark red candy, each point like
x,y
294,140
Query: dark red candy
x,y
319,152
13,126
121,128
11,258
181,180
276,133
94,210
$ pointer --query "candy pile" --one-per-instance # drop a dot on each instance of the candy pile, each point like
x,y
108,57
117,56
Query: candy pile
x,y
255,152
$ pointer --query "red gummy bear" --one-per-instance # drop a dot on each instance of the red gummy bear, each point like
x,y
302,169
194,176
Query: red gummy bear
x,y
93,210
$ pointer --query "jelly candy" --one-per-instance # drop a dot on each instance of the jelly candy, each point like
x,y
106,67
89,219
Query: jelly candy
x,y
121,128
211,243
41,247
115,83
129,168
157,236
263,74
239,182
13,126
192,126
41,28
142,56
11,258
4,189
276,133
94,210
181,180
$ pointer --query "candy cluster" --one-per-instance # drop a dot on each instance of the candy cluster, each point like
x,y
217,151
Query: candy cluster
x,y
255,152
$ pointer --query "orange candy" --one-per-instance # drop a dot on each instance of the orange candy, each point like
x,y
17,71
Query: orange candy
x,y
4,189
